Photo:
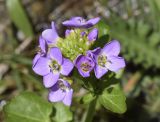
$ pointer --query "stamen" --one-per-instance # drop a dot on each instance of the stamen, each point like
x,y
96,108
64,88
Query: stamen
x,y
85,66
103,61
62,86
54,66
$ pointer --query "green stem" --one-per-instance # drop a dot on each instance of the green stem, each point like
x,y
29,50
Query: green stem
x,y
90,111
156,105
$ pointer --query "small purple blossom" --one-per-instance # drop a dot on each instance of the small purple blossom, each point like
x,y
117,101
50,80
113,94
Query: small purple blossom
x,y
67,32
83,33
50,35
80,22
107,59
51,66
61,92
84,65
92,36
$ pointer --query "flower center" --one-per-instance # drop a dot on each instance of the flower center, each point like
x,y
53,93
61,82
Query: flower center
x,y
55,66
62,86
85,66
103,61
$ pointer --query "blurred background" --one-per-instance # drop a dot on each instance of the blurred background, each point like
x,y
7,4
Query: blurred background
x,y
135,23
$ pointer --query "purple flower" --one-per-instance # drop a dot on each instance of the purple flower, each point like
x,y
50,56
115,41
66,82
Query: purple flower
x,y
50,35
61,92
107,59
42,52
83,33
92,36
80,22
67,32
84,65
51,66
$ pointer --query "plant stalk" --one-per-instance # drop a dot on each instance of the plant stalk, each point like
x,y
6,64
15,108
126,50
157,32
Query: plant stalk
x,y
88,116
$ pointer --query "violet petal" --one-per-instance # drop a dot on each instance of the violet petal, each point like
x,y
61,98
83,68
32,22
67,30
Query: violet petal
x,y
92,22
117,63
99,71
55,54
56,96
68,97
42,67
35,59
92,36
42,44
50,35
112,48
50,79
80,22
74,22
94,53
66,67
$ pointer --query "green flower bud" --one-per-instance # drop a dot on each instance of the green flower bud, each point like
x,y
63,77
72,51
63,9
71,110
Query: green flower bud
x,y
74,44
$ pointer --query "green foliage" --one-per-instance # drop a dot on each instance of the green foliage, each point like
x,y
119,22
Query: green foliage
x,y
87,98
28,107
151,88
140,41
107,91
139,35
103,34
113,99
88,116
63,113
103,29
19,17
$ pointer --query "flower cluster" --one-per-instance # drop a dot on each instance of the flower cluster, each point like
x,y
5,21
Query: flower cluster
x,y
58,56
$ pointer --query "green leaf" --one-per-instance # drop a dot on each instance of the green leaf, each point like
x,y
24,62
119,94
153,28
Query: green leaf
x,y
28,107
103,28
113,99
63,113
157,2
142,29
87,98
154,39
103,34
19,17
119,74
